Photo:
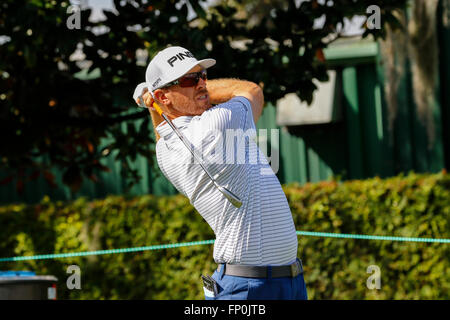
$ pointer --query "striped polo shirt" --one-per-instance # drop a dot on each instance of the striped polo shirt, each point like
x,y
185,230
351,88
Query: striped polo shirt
x,y
261,232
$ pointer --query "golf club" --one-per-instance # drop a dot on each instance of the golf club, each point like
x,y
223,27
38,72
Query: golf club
x,y
227,193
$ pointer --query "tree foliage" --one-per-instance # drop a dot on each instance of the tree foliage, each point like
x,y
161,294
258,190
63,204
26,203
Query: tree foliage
x,y
50,117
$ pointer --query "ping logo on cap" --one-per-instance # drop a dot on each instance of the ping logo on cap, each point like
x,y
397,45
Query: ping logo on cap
x,y
180,56
156,82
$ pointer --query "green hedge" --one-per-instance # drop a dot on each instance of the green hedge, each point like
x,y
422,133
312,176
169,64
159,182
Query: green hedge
x,y
407,206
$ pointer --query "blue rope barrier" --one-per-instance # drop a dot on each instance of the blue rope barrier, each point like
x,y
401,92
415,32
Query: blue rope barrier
x,y
204,242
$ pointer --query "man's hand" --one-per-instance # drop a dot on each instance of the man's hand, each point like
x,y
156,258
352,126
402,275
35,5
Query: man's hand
x,y
147,99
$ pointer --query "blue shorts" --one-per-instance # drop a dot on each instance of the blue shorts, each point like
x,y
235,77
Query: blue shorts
x,y
241,288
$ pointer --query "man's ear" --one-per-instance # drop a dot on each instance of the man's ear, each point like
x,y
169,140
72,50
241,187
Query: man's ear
x,y
161,97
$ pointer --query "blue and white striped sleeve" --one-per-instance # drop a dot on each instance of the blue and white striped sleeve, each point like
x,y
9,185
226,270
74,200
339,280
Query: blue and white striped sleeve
x,y
233,114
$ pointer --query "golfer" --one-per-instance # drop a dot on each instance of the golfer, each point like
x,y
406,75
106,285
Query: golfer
x,y
256,242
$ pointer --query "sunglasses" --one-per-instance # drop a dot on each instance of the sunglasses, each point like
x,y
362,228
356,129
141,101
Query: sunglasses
x,y
189,80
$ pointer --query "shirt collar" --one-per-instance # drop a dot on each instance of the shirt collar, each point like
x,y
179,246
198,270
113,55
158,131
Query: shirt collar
x,y
165,130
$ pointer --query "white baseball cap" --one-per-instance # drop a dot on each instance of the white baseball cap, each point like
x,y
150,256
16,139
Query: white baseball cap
x,y
167,66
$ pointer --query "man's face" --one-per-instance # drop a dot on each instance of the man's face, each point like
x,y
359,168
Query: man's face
x,y
188,101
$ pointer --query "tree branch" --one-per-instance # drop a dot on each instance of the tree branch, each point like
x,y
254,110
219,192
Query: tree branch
x,y
87,122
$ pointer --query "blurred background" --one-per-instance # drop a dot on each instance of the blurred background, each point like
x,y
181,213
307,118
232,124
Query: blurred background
x,y
356,89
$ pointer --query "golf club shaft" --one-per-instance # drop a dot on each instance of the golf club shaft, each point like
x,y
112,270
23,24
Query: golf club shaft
x,y
227,193
182,138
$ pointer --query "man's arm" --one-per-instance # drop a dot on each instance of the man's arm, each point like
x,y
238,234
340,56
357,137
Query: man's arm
x,y
156,117
156,120
222,90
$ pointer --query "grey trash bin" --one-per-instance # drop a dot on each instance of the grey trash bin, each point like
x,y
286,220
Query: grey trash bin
x,y
26,285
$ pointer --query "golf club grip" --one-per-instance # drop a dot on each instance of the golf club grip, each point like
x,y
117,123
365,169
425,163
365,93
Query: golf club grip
x,y
157,108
